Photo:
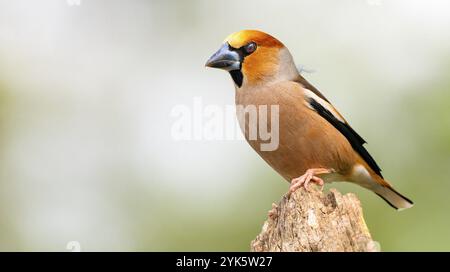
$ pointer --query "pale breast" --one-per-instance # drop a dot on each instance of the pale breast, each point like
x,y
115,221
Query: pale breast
x,y
306,140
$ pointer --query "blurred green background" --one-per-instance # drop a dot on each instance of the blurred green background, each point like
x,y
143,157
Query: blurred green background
x,y
86,92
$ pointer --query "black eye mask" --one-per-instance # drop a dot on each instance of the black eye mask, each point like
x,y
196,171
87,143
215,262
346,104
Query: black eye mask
x,y
243,52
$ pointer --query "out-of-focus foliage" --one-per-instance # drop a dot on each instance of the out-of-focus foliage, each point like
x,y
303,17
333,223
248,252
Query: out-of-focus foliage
x,y
86,92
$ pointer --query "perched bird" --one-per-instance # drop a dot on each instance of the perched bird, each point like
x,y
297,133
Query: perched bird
x,y
316,144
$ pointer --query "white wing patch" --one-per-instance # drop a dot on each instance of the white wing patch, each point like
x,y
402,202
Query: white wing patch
x,y
311,95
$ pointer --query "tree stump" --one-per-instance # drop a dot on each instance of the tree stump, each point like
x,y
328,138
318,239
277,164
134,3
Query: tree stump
x,y
314,221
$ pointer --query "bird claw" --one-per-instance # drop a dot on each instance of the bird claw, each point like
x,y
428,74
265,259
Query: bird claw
x,y
306,179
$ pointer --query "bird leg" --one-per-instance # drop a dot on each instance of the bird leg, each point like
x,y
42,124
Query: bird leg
x,y
309,176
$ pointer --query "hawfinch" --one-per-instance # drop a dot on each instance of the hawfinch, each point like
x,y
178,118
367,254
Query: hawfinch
x,y
316,144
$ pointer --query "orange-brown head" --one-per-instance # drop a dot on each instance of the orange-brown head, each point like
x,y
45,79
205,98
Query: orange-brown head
x,y
253,57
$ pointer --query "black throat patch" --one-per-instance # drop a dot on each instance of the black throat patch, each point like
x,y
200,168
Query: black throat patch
x,y
237,77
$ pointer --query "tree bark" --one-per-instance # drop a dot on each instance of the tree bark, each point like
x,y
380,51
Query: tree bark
x,y
314,221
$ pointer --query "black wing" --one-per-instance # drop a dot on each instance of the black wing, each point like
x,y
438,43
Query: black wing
x,y
354,139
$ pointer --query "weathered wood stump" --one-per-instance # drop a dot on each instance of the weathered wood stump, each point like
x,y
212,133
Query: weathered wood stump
x,y
314,221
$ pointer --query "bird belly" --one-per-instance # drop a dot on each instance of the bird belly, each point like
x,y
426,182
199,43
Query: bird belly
x,y
302,145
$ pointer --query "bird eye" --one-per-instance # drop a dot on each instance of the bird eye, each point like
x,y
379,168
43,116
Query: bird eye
x,y
250,48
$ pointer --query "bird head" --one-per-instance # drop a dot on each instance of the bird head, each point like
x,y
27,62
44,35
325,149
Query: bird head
x,y
253,57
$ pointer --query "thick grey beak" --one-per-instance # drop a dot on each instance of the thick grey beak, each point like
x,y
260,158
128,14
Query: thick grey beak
x,y
225,59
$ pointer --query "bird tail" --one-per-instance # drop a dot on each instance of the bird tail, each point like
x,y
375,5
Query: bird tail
x,y
384,190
